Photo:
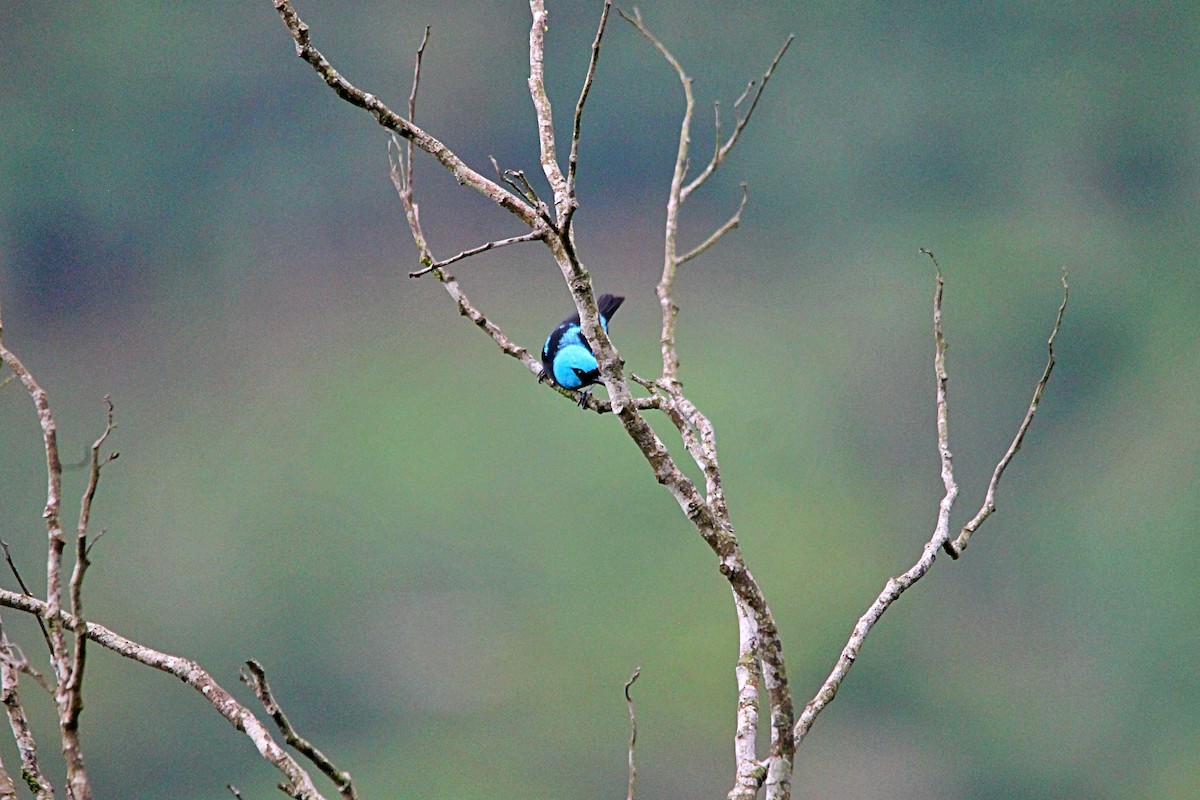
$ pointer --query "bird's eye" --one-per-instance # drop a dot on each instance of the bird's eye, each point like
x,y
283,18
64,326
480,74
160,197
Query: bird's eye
x,y
579,373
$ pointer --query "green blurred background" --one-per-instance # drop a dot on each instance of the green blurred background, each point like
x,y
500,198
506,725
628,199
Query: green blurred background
x,y
447,570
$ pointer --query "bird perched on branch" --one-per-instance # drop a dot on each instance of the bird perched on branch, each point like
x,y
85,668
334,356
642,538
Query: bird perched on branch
x,y
567,357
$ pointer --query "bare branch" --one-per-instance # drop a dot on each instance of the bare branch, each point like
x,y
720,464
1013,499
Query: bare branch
x,y
711,522
402,180
468,310
585,400
541,105
722,150
940,537
416,81
51,513
21,663
749,773
678,192
298,784
257,680
717,128
942,528
74,685
524,189
629,795
670,355
737,104
532,236
891,591
31,771
707,514
956,547
402,162
716,235
393,121
697,436
77,780
573,160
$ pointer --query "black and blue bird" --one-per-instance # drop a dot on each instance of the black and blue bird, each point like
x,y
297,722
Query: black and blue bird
x,y
567,357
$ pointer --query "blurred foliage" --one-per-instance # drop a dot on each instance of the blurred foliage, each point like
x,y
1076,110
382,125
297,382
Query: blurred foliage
x,y
447,570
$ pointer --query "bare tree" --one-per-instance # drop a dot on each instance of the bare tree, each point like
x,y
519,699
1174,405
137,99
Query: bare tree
x,y
760,667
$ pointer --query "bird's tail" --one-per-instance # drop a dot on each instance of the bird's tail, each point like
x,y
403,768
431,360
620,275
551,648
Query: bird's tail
x,y
608,304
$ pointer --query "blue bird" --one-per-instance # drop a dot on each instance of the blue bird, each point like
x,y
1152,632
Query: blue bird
x,y
567,357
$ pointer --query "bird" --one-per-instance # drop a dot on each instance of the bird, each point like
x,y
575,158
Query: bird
x,y
567,358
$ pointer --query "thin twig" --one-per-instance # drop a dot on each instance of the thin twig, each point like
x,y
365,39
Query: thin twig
x,y
723,149
416,81
234,791
699,438
573,161
586,400
717,128
503,176
737,104
532,236
956,547
22,665
629,795
74,685
401,171
257,680
21,582
716,235
517,180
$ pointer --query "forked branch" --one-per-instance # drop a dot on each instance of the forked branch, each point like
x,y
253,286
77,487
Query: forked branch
x,y
679,191
403,179
721,149
66,698
31,769
297,784
760,645
393,122
941,534
956,547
